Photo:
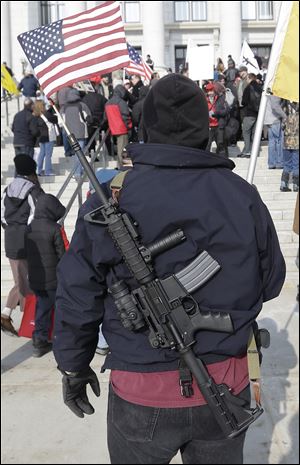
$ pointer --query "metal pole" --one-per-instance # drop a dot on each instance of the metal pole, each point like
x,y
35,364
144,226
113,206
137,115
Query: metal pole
x,y
87,168
262,109
7,116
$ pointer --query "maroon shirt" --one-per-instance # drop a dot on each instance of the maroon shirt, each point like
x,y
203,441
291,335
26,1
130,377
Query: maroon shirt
x,y
161,389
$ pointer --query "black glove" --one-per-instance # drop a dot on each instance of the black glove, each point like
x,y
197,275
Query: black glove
x,y
74,391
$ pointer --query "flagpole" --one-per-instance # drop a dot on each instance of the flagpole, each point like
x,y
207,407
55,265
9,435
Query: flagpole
x,y
78,151
262,109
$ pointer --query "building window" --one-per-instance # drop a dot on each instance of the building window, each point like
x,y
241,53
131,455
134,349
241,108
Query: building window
x,y
132,12
51,11
265,10
182,12
248,11
251,11
190,11
199,11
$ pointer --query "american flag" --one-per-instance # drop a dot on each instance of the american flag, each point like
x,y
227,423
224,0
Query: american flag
x,y
77,47
137,65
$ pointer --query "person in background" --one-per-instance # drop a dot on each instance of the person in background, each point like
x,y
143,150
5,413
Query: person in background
x,y
218,114
290,147
62,98
106,87
251,102
231,72
119,119
46,121
18,205
77,119
96,104
150,62
25,130
137,116
137,83
241,86
29,84
127,85
44,248
274,119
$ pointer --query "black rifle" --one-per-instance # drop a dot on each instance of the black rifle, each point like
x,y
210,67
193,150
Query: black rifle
x,y
166,306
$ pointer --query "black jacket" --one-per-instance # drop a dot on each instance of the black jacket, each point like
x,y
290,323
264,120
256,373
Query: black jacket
x,y
42,126
44,243
96,103
17,211
249,97
170,187
25,128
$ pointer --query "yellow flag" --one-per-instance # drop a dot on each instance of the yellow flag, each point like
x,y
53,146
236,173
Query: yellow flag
x,y
284,61
7,82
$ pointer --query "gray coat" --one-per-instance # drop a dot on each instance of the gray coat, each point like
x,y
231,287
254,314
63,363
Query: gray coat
x,y
274,112
77,115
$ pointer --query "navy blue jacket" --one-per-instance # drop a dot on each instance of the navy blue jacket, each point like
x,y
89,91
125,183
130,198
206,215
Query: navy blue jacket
x,y
170,187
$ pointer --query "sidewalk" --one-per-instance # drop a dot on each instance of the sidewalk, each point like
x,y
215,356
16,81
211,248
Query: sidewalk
x,y
38,428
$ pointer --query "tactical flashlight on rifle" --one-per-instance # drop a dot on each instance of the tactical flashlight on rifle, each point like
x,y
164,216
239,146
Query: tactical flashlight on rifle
x,y
165,306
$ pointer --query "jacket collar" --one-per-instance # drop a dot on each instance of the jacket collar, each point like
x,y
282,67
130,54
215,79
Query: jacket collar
x,y
166,155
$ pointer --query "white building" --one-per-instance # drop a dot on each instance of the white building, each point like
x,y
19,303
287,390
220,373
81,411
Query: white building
x,y
160,28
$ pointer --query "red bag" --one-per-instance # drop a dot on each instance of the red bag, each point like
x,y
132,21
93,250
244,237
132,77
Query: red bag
x,y
65,239
28,321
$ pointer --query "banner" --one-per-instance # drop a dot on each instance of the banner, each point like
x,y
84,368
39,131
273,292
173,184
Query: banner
x,y
7,82
248,59
201,62
283,70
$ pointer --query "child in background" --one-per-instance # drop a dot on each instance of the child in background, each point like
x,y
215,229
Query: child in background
x,y
45,247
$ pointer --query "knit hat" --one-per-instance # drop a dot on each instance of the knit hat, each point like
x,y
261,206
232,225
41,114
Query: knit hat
x,y
209,87
243,68
175,112
25,165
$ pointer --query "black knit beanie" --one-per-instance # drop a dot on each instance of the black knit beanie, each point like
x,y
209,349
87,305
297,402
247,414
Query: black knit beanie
x,y
175,112
25,165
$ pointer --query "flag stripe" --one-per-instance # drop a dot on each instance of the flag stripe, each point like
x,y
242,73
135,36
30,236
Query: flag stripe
x,y
57,59
86,63
89,34
97,20
90,13
85,73
59,64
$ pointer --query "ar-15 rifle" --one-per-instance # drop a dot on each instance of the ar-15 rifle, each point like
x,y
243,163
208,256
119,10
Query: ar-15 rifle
x,y
166,306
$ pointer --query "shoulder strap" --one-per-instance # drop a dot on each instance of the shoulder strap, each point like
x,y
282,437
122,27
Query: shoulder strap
x,y
116,184
118,180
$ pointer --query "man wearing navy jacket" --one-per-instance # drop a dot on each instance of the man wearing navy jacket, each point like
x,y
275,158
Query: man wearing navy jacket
x,y
174,184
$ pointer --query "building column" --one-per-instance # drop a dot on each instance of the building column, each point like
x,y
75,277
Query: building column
x,y
5,34
153,30
72,8
22,19
230,30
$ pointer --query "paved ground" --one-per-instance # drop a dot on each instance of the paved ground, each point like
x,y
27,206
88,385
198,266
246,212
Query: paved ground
x,y
38,428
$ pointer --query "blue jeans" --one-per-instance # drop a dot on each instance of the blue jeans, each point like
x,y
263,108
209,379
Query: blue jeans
x,y
24,150
44,304
76,163
291,161
275,150
138,434
46,150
